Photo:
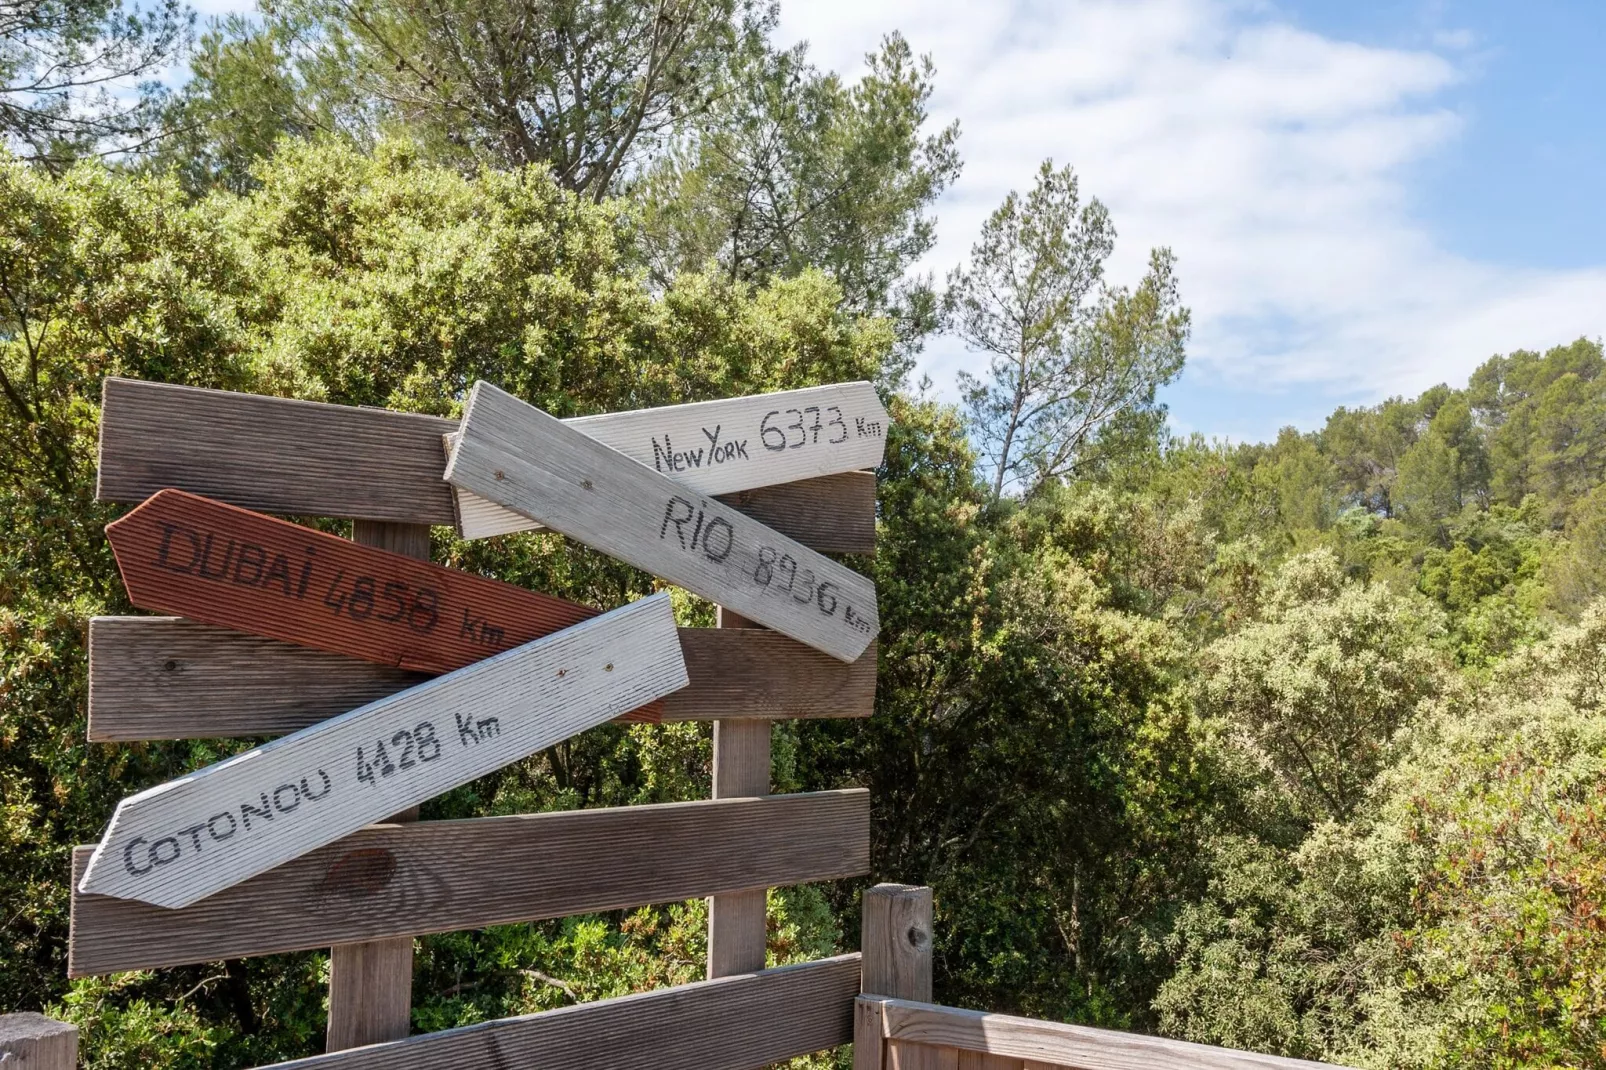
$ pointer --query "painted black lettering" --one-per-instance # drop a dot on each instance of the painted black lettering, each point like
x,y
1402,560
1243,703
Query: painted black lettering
x,y
156,851
327,784
671,518
265,812
128,857
194,833
295,798
252,556
222,572
488,727
306,573
213,832
167,541
715,547
466,732
661,455
740,448
279,572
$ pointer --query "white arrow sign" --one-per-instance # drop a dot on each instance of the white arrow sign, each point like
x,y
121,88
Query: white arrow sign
x,y
183,840
717,447
534,464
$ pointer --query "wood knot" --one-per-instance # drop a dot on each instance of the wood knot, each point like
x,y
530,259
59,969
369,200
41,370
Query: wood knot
x,y
608,667
918,938
499,474
359,874
586,483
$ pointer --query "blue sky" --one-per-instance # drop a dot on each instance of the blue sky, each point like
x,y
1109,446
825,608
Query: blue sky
x,y
1366,198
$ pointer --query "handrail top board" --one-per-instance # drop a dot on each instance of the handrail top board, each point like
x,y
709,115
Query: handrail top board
x,y
739,1022
1062,1044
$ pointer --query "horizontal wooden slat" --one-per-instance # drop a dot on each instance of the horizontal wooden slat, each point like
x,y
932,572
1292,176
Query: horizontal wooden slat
x,y
305,458
733,1023
436,876
171,678
1058,1044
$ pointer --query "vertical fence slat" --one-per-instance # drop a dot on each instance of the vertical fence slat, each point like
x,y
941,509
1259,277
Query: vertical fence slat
x,y
736,929
371,984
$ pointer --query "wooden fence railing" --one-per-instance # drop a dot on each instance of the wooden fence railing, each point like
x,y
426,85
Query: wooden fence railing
x,y
369,895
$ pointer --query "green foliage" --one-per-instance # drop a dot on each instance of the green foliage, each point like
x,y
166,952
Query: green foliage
x,y
75,75
795,168
1067,355
358,278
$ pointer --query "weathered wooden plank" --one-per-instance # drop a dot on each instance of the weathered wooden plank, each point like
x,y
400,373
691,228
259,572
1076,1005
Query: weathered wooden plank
x,y
181,841
304,458
528,461
275,455
171,678
1064,1045
185,554
440,876
735,444
735,1023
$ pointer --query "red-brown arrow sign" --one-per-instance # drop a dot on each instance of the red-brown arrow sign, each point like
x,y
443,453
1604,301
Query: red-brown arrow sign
x,y
185,554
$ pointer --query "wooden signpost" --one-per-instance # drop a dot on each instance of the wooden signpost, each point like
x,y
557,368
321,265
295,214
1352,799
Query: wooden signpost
x,y
715,447
182,553
186,839
532,463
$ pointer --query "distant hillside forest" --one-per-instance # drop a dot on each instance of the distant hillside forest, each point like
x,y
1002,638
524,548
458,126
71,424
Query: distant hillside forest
x,y
1298,747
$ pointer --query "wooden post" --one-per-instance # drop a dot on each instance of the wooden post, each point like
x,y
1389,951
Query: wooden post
x,y
30,1041
371,984
895,938
737,934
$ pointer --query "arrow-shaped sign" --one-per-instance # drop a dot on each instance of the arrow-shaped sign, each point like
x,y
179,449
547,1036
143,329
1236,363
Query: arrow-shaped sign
x,y
182,553
532,463
716,447
183,840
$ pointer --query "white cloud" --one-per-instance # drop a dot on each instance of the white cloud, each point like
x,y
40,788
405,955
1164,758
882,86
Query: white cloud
x,y
1274,161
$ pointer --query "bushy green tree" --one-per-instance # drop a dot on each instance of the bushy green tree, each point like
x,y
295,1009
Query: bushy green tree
x,y
1066,354
358,278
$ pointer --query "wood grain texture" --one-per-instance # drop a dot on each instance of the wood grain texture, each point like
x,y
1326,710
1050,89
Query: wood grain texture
x,y
171,678
903,1055
371,983
895,937
1059,1044
977,1060
305,458
735,1023
528,461
220,564
869,1045
734,444
275,455
30,1041
738,929
370,993
181,841
441,876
